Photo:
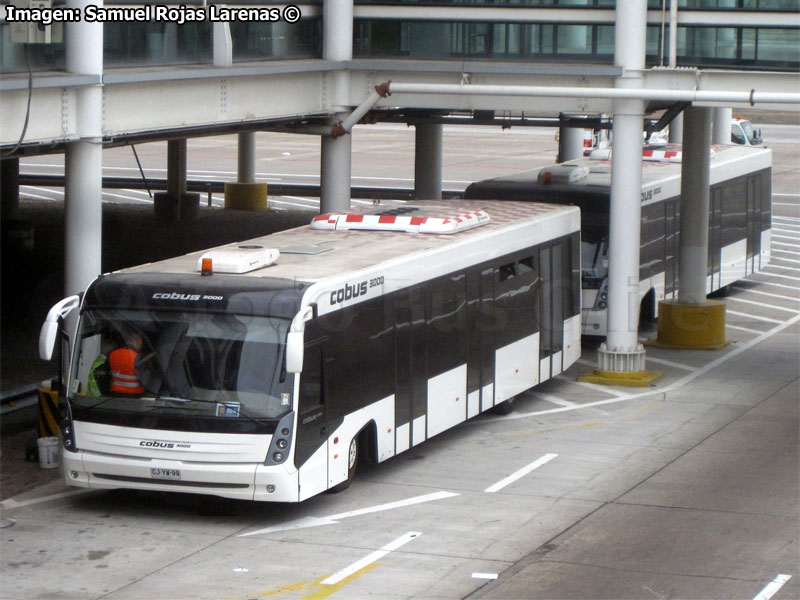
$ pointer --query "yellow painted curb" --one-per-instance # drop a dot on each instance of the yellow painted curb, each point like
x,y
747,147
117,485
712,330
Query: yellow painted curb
x,y
630,379
690,326
246,196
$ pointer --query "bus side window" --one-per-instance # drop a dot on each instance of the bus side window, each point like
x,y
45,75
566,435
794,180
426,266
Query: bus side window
x,y
311,379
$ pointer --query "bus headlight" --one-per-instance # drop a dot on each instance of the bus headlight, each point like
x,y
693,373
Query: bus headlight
x,y
281,440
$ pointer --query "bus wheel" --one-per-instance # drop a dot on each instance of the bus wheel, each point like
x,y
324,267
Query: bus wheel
x,y
504,408
352,464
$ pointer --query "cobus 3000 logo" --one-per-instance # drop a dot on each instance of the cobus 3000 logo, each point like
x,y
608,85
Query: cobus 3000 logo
x,y
348,292
154,444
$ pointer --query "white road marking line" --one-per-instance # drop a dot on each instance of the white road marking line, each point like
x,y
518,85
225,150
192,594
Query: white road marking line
x,y
520,473
10,503
44,189
760,293
783,203
779,259
772,587
333,519
776,250
669,363
769,306
781,218
671,387
782,237
371,558
749,316
780,285
549,398
592,386
783,194
778,275
743,328
484,576
37,196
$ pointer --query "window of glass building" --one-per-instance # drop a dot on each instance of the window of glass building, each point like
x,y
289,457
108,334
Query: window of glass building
x,y
264,41
156,44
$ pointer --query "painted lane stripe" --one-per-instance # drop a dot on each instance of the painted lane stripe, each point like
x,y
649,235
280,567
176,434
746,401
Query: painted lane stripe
x,y
10,503
371,558
777,275
769,306
550,398
782,237
520,473
783,194
671,387
670,363
333,519
739,327
792,252
780,285
592,386
795,230
760,293
781,218
772,587
750,316
786,245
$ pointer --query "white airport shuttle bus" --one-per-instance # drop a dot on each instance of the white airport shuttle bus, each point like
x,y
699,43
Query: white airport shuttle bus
x,y
739,220
268,367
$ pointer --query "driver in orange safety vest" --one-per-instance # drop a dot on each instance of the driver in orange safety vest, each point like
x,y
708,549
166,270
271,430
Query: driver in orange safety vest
x,y
124,378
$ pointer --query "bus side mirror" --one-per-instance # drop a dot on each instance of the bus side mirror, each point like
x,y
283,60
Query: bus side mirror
x,y
295,340
48,336
294,352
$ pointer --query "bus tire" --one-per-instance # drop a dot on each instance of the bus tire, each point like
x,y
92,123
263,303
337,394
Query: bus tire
x,y
352,466
504,408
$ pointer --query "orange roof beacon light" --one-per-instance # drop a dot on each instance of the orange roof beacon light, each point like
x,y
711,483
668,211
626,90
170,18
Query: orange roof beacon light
x,y
206,266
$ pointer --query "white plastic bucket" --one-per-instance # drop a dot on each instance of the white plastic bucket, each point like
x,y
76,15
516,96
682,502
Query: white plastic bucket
x,y
48,452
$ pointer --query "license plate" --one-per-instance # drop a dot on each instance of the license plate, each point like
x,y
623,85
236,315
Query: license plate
x,y
165,473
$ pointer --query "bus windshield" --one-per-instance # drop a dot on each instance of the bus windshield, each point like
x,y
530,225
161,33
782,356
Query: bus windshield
x,y
594,262
181,364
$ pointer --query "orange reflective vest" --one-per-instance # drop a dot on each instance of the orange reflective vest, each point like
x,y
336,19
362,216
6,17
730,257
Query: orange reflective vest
x,y
124,379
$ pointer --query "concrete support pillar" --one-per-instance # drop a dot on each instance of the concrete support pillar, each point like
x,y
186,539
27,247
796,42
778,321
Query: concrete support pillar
x,y
692,321
335,175
675,135
176,167
83,186
176,204
676,130
721,133
337,45
247,157
570,142
9,187
621,359
695,167
246,194
428,161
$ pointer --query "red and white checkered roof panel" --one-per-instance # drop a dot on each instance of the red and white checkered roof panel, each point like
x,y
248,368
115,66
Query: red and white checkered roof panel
x,y
407,218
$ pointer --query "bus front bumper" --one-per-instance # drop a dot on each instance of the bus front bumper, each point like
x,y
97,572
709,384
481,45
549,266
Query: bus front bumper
x,y
245,481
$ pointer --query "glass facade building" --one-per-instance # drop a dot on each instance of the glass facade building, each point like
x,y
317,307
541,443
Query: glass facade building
x,y
749,34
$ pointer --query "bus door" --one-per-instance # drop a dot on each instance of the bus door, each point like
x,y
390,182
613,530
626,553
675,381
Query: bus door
x,y
551,311
410,368
310,455
753,223
481,327
715,237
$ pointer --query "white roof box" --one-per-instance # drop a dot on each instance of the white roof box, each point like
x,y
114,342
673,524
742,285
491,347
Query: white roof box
x,y
239,259
407,218
563,173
